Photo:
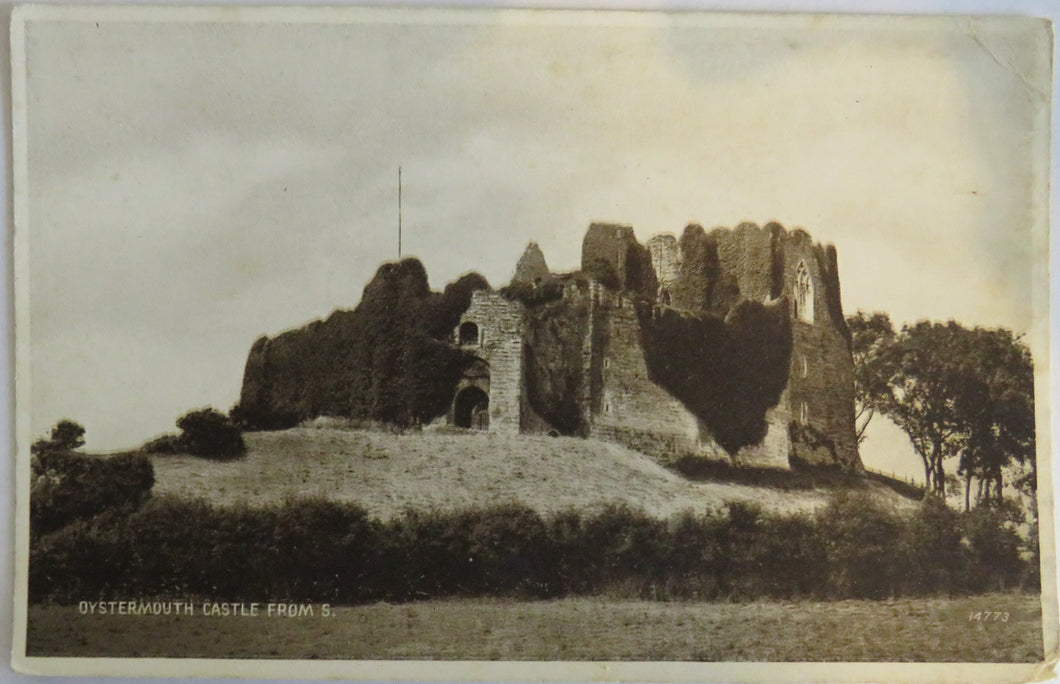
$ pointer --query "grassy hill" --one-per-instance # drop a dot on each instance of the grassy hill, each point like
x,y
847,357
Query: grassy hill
x,y
387,473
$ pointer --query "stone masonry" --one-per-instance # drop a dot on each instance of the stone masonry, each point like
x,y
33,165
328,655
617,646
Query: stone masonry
x,y
498,341
700,273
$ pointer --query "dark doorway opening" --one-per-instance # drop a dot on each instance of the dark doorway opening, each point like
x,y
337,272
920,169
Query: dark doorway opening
x,y
471,409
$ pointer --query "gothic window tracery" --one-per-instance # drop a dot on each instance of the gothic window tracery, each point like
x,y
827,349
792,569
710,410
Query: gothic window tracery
x,y
803,299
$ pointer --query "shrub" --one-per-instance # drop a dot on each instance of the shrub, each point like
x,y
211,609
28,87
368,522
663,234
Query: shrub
x,y
67,486
994,545
570,559
931,557
164,444
861,546
625,549
320,551
533,294
209,433
788,560
507,551
304,550
1031,551
79,560
694,555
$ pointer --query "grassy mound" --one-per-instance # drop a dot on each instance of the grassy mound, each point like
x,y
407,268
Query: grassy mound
x,y
387,473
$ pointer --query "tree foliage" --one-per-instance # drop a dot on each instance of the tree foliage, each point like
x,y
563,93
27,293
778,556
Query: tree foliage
x,y
65,436
67,486
871,335
958,393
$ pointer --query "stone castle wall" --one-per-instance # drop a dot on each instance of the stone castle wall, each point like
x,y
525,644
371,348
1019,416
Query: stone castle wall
x,y
607,243
500,345
820,395
775,449
702,272
629,408
710,272
748,254
666,259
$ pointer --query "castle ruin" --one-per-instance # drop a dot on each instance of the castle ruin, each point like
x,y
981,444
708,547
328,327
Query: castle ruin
x,y
729,343
595,352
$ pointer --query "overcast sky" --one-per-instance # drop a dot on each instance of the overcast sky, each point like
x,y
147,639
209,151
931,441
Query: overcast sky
x,y
193,186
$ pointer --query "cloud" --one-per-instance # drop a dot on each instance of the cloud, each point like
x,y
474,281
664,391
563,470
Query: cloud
x,y
194,186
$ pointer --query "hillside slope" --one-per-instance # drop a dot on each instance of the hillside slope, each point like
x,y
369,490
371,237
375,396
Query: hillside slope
x,y
387,473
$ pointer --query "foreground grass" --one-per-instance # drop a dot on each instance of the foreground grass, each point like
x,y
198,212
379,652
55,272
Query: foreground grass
x,y
387,473
905,630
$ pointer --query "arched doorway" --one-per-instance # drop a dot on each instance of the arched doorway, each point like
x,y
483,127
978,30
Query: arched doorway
x,y
471,409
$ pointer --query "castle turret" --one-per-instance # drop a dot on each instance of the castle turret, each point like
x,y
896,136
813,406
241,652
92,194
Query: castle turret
x,y
605,250
666,260
612,255
531,268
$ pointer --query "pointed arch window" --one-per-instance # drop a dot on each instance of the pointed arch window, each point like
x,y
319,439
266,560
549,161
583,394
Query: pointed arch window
x,y
803,293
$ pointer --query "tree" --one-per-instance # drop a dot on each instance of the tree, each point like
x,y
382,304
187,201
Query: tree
x,y
871,335
65,436
999,413
959,392
210,433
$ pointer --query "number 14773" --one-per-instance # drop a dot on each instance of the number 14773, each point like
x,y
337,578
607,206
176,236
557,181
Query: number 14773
x,y
988,616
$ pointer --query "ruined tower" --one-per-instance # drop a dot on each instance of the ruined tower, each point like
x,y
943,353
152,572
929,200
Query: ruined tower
x,y
587,348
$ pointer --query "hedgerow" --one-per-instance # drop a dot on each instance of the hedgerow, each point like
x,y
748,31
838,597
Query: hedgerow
x,y
317,550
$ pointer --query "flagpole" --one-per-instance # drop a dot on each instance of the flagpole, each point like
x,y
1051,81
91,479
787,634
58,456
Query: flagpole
x,y
399,212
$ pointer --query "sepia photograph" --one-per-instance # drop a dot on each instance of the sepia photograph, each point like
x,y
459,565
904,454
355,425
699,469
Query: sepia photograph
x,y
498,344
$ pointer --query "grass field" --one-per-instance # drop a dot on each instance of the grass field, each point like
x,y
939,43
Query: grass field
x,y
905,630
387,473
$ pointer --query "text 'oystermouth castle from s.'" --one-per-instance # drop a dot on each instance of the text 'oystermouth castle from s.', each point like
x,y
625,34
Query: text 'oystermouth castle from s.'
x,y
730,342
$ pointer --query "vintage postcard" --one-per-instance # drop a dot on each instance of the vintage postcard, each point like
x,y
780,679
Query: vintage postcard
x,y
532,345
